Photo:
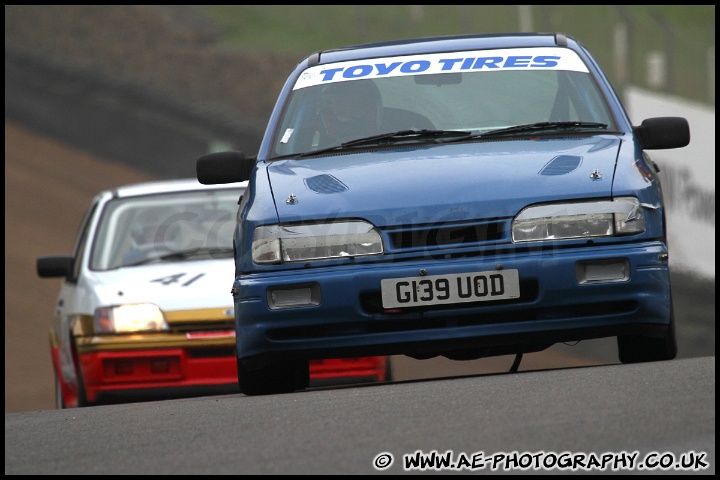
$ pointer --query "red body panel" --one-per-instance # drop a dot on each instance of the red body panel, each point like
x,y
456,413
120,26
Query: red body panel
x,y
123,371
166,368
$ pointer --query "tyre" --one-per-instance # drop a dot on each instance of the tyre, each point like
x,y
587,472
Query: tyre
x,y
388,371
81,398
283,377
636,348
59,400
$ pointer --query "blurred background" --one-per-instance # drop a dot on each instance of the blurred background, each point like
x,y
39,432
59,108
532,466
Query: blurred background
x,y
222,66
654,46
97,96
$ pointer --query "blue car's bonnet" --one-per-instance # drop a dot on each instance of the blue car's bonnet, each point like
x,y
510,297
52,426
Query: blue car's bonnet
x,y
448,182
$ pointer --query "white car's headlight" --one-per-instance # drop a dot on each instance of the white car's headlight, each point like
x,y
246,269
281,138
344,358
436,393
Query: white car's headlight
x,y
621,216
138,317
319,241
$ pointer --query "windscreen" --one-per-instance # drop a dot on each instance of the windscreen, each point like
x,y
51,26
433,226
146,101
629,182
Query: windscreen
x,y
462,91
141,228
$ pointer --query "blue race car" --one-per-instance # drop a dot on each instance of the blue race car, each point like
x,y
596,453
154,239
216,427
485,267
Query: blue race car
x,y
463,197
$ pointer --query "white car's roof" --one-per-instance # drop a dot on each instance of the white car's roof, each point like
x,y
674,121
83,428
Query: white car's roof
x,y
167,186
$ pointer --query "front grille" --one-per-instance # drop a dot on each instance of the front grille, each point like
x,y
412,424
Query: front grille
x,y
433,236
213,352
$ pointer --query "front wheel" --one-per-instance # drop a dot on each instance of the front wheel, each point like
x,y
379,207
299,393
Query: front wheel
x,y
59,399
635,348
282,377
388,371
77,399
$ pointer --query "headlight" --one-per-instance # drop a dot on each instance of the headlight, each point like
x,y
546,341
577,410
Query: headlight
x,y
139,317
319,241
559,221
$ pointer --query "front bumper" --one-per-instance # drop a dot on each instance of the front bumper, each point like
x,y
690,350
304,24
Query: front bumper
x,y
155,363
116,366
118,371
553,307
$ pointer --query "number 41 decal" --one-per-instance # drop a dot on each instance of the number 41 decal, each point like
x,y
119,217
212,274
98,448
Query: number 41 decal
x,y
170,279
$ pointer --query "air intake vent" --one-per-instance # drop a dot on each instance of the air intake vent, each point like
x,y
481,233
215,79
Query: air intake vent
x,y
325,184
561,165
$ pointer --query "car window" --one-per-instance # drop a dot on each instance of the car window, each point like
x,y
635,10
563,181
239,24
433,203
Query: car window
x,y
134,229
467,100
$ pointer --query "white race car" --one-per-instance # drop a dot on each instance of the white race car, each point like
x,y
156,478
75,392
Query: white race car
x,y
145,308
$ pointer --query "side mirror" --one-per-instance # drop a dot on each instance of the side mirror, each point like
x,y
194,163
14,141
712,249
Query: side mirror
x,y
55,266
224,167
663,133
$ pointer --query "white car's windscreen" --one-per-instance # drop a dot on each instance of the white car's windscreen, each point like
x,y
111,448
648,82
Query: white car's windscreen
x,y
138,229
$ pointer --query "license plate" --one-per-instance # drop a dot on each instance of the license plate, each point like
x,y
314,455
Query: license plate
x,y
449,289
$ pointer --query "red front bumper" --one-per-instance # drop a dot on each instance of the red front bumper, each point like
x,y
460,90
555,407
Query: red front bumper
x,y
143,369
121,371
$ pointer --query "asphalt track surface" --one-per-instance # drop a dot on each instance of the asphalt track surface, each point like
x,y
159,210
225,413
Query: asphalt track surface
x,y
657,411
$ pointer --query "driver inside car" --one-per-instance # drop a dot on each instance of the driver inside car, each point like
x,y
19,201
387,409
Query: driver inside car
x,y
350,110
150,235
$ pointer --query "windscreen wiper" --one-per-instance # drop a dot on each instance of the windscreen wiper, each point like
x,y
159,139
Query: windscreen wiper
x,y
215,252
391,137
530,128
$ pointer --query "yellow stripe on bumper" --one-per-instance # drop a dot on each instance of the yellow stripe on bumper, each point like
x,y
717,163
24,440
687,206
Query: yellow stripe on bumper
x,y
147,341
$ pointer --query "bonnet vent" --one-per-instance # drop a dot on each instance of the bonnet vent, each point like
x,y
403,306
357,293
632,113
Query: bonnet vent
x,y
561,165
325,184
